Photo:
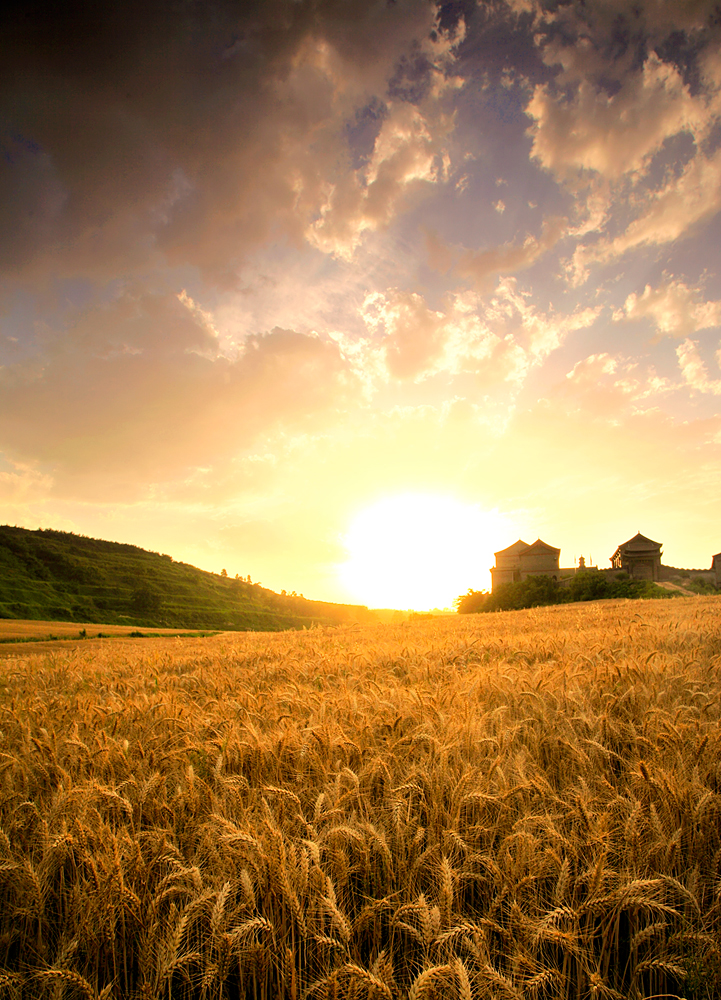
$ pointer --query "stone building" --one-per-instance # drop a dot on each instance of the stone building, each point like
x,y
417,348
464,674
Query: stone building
x,y
640,557
520,560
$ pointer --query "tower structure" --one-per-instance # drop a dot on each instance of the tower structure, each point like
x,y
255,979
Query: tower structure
x,y
640,557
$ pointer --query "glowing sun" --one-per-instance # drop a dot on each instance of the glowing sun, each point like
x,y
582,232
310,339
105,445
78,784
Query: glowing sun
x,y
419,551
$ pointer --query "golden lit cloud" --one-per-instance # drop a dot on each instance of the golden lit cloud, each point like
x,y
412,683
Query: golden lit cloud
x,y
615,134
417,342
605,129
675,309
694,371
409,150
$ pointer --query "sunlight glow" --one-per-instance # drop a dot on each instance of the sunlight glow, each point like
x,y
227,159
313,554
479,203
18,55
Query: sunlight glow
x,y
419,551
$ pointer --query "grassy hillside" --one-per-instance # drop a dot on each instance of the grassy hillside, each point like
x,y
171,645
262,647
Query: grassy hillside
x,y
58,576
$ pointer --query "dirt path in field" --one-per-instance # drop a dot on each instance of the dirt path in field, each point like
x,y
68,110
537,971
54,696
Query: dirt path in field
x,y
675,586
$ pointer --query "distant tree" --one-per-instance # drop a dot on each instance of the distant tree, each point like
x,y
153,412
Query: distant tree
x,y
224,572
472,602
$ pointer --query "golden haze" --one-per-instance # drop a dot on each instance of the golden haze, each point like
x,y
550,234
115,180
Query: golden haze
x,y
419,551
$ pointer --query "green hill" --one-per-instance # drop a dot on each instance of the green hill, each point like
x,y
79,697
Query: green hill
x,y
58,576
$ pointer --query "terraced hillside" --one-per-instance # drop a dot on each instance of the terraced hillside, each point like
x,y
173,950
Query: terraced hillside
x,y
58,576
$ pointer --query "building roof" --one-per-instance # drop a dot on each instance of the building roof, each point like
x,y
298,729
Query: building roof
x,y
539,546
513,550
638,544
640,541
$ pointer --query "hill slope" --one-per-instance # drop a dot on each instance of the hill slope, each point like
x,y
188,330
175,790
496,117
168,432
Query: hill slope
x,y
59,576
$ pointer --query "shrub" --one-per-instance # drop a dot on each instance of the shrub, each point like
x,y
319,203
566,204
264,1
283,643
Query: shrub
x,y
529,593
537,591
471,602
590,585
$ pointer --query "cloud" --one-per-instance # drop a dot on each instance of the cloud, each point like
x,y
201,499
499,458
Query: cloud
x,y
134,136
627,123
497,341
21,484
590,369
539,334
675,309
694,371
416,342
440,257
512,257
137,391
615,24
682,203
408,151
615,134
678,209
612,389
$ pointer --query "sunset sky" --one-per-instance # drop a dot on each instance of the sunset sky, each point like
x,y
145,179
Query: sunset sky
x,y
347,294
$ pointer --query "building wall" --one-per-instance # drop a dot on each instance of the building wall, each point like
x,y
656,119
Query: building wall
x,y
641,569
672,573
504,575
539,563
516,566
507,561
641,565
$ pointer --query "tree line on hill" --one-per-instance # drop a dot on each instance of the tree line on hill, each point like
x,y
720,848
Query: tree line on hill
x,y
59,576
586,585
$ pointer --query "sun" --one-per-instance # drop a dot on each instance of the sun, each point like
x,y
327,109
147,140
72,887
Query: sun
x,y
419,551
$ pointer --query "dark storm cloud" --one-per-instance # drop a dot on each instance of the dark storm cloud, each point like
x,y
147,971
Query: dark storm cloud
x,y
131,130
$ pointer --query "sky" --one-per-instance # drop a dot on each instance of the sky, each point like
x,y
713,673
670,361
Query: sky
x,y
345,295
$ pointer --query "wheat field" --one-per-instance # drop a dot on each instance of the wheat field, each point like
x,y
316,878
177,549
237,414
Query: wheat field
x,y
524,804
